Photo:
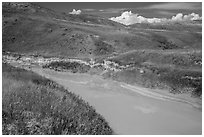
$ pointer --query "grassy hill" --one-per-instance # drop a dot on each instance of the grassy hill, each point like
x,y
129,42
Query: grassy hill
x,y
31,29
193,26
179,71
32,104
170,54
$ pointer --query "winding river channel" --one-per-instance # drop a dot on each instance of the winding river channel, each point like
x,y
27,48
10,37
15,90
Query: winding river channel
x,y
131,109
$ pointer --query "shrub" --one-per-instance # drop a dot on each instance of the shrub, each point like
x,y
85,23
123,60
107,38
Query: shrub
x,y
73,66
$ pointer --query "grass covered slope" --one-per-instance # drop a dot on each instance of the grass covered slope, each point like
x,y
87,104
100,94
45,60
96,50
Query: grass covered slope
x,y
32,104
178,71
165,55
31,29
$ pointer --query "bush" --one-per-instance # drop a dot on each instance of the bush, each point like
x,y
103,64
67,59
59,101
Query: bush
x,y
163,42
103,48
177,80
73,66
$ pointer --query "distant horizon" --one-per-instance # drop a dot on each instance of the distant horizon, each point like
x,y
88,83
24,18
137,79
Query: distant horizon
x,y
113,9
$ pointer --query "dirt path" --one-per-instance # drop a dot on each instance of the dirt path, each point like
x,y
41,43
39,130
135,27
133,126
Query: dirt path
x,y
128,111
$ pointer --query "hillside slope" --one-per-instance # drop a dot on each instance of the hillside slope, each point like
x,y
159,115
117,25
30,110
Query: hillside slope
x,y
154,55
31,29
28,28
34,105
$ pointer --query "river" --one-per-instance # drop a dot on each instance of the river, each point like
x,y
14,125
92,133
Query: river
x,y
127,110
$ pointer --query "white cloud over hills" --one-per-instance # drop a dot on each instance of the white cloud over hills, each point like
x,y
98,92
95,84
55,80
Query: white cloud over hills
x,y
181,17
128,18
76,12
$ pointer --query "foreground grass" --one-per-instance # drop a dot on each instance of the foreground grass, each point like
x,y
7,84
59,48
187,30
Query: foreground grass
x,y
32,104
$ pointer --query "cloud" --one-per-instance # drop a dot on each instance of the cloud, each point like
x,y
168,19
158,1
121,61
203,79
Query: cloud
x,y
178,17
128,18
181,17
176,6
112,10
76,12
88,9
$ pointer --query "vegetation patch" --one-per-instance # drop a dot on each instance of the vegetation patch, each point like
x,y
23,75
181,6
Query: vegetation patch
x,y
163,42
180,79
103,48
74,67
32,104
178,73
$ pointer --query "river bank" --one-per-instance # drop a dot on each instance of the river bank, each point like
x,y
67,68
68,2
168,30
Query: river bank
x,y
130,109
129,112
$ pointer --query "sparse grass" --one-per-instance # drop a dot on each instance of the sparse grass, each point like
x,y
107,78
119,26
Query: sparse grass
x,y
174,26
180,79
176,58
163,42
36,31
103,48
175,80
177,71
32,104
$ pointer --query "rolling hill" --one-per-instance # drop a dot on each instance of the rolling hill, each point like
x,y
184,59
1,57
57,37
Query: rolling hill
x,y
157,55
31,29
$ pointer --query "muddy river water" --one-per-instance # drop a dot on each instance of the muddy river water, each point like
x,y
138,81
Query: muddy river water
x,y
128,110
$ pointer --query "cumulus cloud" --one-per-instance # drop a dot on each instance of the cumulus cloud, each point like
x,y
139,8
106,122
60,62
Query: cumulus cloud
x,y
76,12
128,18
181,17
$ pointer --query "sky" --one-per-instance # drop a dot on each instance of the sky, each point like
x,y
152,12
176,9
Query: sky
x,y
111,9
